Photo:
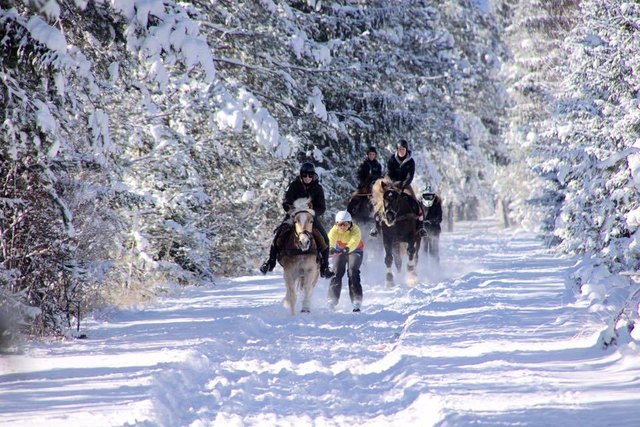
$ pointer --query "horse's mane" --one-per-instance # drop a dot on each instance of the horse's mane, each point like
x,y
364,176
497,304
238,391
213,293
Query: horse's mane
x,y
377,194
302,204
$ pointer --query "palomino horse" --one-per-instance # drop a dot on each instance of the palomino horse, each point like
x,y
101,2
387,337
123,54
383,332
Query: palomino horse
x,y
397,213
299,257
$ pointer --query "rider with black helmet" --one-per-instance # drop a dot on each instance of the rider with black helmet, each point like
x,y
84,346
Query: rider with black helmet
x,y
400,169
369,171
305,185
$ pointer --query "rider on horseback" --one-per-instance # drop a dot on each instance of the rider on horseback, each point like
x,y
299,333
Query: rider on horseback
x,y
369,171
305,185
400,169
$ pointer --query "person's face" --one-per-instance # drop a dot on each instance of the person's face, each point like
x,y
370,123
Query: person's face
x,y
343,225
402,151
371,155
306,177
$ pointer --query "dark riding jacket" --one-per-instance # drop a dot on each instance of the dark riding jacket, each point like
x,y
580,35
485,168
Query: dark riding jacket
x,y
314,190
401,170
368,172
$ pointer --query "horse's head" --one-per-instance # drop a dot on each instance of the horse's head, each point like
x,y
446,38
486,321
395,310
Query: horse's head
x,y
302,215
303,222
391,198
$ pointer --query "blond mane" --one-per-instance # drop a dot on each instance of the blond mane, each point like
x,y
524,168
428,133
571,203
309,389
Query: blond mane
x,y
377,194
302,204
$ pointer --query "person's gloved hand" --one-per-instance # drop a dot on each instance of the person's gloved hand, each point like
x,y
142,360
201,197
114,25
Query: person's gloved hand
x,y
332,251
345,250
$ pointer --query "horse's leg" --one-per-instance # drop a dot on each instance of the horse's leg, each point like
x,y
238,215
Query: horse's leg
x,y
306,292
411,253
290,297
397,256
412,278
305,287
388,257
308,284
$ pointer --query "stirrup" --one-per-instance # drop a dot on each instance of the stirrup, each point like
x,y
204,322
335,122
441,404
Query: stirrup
x,y
373,232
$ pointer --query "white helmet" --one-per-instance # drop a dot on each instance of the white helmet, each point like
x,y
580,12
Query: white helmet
x,y
343,216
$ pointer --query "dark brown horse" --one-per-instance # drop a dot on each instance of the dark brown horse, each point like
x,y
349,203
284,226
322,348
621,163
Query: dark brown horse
x,y
397,212
360,206
299,257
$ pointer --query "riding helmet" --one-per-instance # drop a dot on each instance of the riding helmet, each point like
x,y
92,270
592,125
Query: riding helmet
x,y
403,143
343,216
307,167
372,149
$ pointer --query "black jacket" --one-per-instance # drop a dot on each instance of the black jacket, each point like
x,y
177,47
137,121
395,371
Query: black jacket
x,y
297,189
368,172
433,215
401,170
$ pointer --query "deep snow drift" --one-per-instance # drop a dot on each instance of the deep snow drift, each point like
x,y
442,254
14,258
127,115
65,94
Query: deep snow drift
x,y
495,338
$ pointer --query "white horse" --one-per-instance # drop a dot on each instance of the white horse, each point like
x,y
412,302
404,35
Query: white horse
x,y
300,257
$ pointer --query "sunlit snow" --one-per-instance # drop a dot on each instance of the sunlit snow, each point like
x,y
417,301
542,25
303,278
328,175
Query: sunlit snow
x,y
493,338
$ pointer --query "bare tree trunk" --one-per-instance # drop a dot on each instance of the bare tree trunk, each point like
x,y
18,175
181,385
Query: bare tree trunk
x,y
450,212
504,207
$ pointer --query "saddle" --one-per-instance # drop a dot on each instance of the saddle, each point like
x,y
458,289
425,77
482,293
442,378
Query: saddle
x,y
286,242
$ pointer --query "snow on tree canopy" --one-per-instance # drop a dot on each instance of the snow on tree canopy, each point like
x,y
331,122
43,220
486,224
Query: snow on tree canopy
x,y
47,35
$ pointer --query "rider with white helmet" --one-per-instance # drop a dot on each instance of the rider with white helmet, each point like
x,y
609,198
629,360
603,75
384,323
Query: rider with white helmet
x,y
430,230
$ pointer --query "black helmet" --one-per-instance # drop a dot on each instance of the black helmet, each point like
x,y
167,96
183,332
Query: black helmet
x,y
372,149
403,143
307,167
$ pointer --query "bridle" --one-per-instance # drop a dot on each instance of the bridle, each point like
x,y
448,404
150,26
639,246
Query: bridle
x,y
391,210
305,237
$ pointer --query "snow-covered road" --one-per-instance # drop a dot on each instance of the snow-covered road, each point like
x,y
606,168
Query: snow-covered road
x,y
495,338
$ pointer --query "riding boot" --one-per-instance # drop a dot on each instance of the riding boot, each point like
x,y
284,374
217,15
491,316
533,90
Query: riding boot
x,y
325,270
270,264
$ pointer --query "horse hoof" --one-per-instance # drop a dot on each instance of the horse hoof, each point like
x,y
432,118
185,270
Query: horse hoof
x,y
305,310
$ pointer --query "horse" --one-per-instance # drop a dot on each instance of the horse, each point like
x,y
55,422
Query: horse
x,y
360,206
299,256
397,213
